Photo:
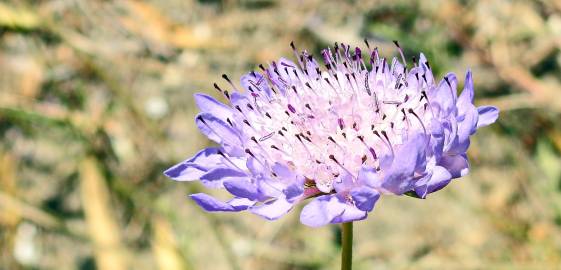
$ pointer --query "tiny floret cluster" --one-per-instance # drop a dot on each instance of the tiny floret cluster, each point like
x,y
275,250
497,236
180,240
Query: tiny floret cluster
x,y
335,135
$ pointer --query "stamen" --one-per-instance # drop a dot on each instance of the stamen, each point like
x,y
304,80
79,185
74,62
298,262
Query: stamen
x,y
341,123
200,118
291,108
228,159
366,42
366,85
217,88
420,121
332,157
388,140
266,137
230,82
280,150
400,52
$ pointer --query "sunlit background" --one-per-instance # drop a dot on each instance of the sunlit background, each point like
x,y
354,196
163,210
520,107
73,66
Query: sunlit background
x,y
96,101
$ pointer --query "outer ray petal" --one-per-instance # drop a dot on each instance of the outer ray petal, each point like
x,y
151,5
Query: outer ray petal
x,y
211,204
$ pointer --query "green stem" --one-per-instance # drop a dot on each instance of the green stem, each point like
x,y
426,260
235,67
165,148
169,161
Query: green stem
x,y
347,243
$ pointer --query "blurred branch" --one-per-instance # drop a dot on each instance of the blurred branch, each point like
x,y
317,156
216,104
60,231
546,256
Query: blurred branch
x,y
103,228
36,215
84,49
17,18
224,243
29,212
510,72
521,78
164,246
288,256
511,102
10,217
147,21
90,54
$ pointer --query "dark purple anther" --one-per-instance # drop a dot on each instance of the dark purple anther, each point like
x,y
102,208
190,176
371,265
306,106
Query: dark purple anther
x,y
225,77
373,152
341,123
367,44
373,57
291,108
217,88
325,54
358,53
287,65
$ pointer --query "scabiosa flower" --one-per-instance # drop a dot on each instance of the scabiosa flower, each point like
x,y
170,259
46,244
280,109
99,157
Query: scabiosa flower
x,y
340,135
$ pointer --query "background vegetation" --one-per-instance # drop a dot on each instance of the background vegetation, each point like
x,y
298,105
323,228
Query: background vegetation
x,y
96,101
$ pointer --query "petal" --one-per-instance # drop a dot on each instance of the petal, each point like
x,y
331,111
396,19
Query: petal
x,y
211,204
185,172
466,97
214,178
193,168
466,128
255,82
312,67
437,138
412,80
215,129
271,187
240,204
255,167
369,176
442,98
274,210
453,87
396,66
350,213
487,115
283,171
220,132
239,101
321,211
291,184
423,62
284,74
365,198
439,178
242,187
450,128
457,165
210,105
468,125
410,157
295,190
343,183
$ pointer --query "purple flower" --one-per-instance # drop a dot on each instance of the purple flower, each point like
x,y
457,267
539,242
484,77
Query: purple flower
x,y
340,135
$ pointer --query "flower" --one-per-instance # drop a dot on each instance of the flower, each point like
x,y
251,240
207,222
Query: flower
x,y
341,136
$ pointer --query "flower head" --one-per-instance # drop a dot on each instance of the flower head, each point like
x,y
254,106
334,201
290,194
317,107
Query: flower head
x,y
340,135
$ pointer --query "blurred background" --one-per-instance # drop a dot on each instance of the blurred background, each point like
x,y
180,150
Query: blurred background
x,y
96,101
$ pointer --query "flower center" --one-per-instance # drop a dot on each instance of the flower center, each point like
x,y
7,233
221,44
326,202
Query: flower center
x,y
326,124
